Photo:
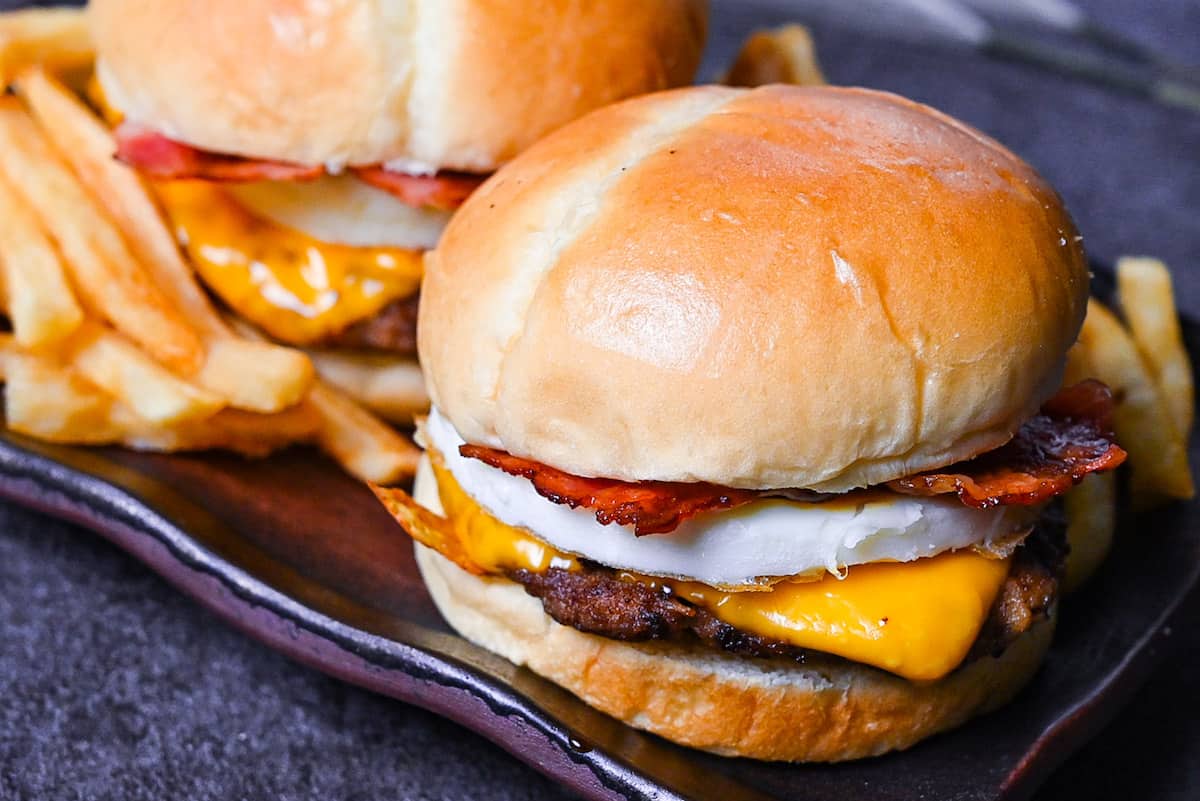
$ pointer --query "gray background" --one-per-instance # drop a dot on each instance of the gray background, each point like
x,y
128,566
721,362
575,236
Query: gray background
x,y
114,686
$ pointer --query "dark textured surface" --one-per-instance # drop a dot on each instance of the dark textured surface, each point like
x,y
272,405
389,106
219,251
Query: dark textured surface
x,y
113,686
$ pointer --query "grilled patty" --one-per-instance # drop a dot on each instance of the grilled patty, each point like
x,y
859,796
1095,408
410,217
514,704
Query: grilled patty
x,y
393,329
596,601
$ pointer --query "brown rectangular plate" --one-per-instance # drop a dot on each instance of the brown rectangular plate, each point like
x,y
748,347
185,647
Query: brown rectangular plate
x,y
298,555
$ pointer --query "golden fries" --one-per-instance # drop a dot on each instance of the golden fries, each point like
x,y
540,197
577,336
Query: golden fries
x,y
117,366
782,55
1157,451
55,37
102,269
40,304
256,376
83,141
247,433
282,375
392,387
50,401
360,442
114,340
1148,303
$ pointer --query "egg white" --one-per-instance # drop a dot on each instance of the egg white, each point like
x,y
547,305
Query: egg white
x,y
742,546
343,210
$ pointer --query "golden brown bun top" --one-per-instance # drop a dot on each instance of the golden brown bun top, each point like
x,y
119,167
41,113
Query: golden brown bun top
x,y
784,287
454,84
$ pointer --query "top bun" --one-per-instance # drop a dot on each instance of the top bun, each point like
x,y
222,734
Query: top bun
x,y
784,287
432,84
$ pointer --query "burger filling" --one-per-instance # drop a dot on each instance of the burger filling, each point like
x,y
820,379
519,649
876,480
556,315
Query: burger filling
x,y
299,289
158,156
914,584
312,258
601,601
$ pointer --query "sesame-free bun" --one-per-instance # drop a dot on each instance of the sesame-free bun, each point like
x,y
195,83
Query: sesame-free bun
x,y
825,710
784,287
452,84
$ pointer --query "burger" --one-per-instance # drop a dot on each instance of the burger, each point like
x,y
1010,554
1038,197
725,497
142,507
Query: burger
x,y
307,154
747,419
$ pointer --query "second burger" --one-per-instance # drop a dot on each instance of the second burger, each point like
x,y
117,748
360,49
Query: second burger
x,y
308,154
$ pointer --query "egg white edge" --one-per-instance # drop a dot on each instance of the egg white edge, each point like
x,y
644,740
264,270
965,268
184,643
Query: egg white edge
x,y
342,210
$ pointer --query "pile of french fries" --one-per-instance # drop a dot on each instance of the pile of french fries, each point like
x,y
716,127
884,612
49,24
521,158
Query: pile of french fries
x,y
113,341
1145,363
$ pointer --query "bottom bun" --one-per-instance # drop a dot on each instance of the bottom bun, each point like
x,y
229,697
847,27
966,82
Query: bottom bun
x,y
825,710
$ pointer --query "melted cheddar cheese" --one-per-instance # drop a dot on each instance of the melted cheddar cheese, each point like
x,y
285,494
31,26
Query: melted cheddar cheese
x,y
296,288
490,544
915,619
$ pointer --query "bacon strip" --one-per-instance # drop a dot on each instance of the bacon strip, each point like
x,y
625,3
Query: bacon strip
x,y
446,190
161,157
1052,452
651,507
157,156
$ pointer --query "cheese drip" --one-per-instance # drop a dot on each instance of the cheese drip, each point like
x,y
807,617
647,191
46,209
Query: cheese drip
x,y
915,619
296,288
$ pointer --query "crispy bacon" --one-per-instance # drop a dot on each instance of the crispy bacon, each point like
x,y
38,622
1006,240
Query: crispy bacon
x,y
445,190
158,156
1052,452
651,507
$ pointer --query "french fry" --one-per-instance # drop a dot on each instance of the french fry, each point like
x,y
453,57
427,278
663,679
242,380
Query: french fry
x,y
55,37
281,376
360,442
49,398
83,141
297,424
392,387
50,401
256,376
1148,302
247,433
782,55
1157,451
40,304
111,282
120,368
1091,509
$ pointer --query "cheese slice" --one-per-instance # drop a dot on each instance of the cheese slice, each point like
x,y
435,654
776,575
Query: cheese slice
x,y
494,546
296,288
915,619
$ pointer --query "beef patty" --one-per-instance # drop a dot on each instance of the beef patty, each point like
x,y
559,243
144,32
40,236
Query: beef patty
x,y
596,601
392,329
